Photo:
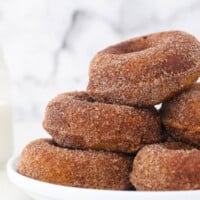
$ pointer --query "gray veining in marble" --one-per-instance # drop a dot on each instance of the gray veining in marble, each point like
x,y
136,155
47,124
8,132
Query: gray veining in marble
x,y
48,44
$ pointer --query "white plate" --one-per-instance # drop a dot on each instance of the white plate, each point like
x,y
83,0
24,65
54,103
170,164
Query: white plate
x,y
46,191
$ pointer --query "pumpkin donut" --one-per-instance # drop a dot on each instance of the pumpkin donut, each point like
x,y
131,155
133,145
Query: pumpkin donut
x,y
44,160
166,166
75,120
181,115
145,70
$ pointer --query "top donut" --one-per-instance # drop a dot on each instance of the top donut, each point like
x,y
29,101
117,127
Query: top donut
x,y
145,70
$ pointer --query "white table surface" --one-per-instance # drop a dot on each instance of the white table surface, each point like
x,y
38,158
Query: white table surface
x,y
23,134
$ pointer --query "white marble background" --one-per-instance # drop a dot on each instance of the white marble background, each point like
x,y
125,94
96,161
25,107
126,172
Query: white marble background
x,y
48,44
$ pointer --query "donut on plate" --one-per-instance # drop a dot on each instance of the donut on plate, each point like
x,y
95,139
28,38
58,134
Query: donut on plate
x,y
44,160
145,70
181,115
166,166
76,120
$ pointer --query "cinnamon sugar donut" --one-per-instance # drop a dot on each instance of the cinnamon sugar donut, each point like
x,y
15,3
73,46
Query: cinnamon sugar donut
x,y
181,115
145,70
167,166
76,120
43,160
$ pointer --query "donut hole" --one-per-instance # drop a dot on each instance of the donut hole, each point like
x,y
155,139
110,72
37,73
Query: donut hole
x,y
177,146
90,100
84,98
53,143
131,49
130,46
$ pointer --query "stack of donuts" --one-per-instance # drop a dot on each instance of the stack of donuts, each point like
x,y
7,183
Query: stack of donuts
x,y
111,136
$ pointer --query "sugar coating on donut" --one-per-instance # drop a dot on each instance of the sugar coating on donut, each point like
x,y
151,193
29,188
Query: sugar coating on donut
x,y
167,166
181,115
44,160
76,120
145,70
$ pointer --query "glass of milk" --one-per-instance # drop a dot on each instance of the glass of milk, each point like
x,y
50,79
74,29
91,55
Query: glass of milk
x,y
6,139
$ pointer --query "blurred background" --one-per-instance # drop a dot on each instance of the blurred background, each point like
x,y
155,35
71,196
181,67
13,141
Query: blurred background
x,y
48,44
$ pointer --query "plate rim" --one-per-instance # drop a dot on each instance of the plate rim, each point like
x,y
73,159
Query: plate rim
x,y
37,187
